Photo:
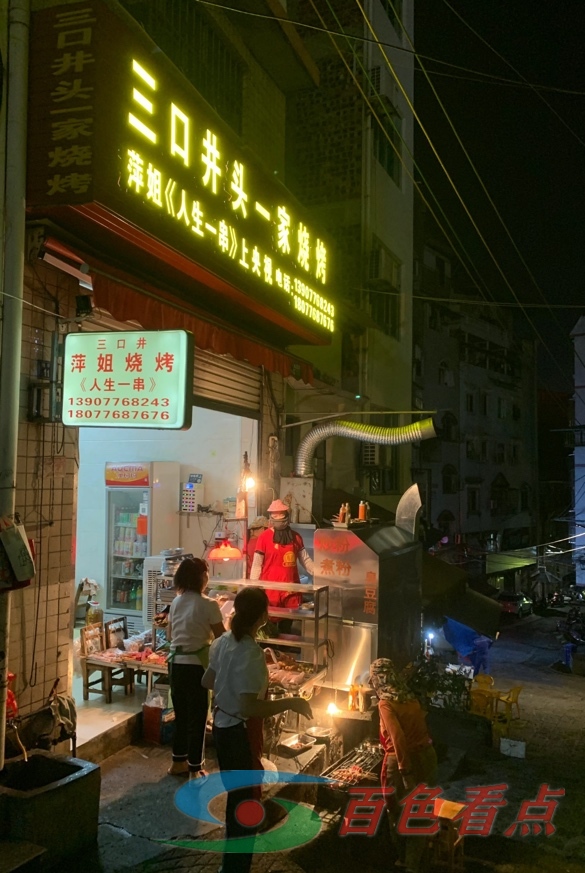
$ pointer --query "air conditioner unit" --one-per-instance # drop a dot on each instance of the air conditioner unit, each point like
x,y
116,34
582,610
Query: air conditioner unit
x,y
380,82
370,454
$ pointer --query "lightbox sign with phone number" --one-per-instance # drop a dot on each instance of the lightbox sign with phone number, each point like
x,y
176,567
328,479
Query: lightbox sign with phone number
x,y
128,379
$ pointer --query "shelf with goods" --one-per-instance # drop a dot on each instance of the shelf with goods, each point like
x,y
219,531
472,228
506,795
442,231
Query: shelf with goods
x,y
315,637
127,548
126,588
163,597
159,574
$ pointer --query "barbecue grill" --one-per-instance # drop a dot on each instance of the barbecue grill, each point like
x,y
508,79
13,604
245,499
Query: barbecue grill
x,y
362,766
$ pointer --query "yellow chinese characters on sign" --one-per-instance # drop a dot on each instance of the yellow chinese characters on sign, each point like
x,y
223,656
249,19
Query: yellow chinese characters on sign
x,y
120,139
71,102
217,202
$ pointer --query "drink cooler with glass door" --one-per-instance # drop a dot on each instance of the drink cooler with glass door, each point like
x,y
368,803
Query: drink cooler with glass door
x,y
142,520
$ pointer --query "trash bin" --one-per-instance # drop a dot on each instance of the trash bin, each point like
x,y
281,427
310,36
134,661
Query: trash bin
x,y
51,801
568,650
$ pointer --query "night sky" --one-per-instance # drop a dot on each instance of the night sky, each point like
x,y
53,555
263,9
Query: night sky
x,y
531,164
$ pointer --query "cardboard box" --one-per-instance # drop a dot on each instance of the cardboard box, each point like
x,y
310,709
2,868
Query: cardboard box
x,y
158,724
513,748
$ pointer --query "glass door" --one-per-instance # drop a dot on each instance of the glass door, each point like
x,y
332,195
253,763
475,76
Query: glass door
x,y
127,548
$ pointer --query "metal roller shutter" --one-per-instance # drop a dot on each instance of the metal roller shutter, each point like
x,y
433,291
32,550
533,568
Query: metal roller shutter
x,y
227,385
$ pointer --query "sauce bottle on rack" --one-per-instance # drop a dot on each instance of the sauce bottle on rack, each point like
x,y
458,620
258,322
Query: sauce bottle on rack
x,y
342,512
352,698
362,510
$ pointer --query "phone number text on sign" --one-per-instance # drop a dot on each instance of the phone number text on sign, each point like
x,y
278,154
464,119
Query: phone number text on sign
x,y
129,379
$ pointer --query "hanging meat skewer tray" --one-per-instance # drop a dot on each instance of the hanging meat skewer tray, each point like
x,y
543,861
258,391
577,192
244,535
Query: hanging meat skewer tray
x,y
361,766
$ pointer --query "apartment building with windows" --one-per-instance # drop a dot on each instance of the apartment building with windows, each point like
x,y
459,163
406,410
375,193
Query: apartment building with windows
x,y
472,364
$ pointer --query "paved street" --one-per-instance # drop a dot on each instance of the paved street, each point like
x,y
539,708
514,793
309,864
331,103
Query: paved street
x,y
137,796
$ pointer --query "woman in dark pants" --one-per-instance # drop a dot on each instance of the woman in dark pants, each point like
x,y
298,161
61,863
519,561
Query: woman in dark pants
x,y
194,620
238,675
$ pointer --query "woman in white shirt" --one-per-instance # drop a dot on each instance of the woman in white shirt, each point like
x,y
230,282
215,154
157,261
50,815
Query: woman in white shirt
x,y
194,620
238,675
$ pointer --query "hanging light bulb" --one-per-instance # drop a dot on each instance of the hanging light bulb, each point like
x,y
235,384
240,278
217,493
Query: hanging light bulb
x,y
332,709
225,551
248,481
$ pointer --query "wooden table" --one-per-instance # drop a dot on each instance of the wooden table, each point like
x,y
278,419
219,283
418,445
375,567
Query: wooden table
x,y
149,669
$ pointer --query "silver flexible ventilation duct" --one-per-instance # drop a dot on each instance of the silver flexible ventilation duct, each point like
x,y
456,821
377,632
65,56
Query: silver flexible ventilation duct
x,y
367,433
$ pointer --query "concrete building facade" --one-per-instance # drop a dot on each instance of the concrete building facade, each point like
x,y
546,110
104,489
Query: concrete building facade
x,y
470,362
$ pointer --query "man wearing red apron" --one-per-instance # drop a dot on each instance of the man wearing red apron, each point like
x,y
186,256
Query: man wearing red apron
x,y
277,551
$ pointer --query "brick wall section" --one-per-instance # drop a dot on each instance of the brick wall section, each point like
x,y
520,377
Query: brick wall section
x,y
326,156
40,626
264,104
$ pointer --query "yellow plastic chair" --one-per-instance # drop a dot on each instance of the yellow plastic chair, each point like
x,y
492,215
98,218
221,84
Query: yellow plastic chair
x,y
483,680
481,703
509,699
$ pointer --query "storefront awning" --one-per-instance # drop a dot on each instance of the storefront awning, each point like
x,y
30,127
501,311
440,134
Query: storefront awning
x,y
129,299
502,562
446,594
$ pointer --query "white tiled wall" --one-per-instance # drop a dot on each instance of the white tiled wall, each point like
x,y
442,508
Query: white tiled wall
x,y
53,510
40,621
214,446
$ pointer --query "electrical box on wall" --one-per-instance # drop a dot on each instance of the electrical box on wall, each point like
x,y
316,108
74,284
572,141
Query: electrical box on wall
x,y
192,493
297,492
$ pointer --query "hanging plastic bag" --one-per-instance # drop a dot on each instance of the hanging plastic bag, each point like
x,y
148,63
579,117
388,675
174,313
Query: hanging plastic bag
x,y
15,543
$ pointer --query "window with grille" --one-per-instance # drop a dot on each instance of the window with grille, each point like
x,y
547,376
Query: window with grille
x,y
449,428
375,81
473,501
387,140
186,35
384,279
450,480
393,9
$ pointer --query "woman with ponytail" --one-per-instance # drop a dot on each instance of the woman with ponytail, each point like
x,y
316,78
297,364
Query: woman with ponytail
x,y
238,675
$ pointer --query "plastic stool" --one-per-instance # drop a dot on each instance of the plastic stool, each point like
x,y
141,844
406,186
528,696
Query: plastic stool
x,y
447,847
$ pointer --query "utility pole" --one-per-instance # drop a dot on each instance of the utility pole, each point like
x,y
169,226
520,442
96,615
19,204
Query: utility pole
x,y
13,117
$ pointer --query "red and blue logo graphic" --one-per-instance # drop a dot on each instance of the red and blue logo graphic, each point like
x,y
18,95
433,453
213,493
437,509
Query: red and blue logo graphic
x,y
301,825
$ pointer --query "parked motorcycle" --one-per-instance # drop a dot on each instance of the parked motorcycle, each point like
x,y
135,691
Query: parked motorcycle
x,y
573,626
559,599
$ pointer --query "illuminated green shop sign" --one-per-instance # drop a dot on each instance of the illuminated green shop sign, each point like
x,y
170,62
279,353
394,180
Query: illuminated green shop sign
x,y
115,126
128,379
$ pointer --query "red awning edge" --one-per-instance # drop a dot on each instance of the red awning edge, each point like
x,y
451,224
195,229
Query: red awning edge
x,y
130,299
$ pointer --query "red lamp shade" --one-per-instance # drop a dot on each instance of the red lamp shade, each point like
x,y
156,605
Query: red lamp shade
x,y
225,552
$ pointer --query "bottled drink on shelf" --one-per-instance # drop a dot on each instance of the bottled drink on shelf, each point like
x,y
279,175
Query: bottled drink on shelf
x,y
139,596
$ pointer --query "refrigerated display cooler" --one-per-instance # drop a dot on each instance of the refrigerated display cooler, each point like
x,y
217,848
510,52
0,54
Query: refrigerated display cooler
x,y
142,504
